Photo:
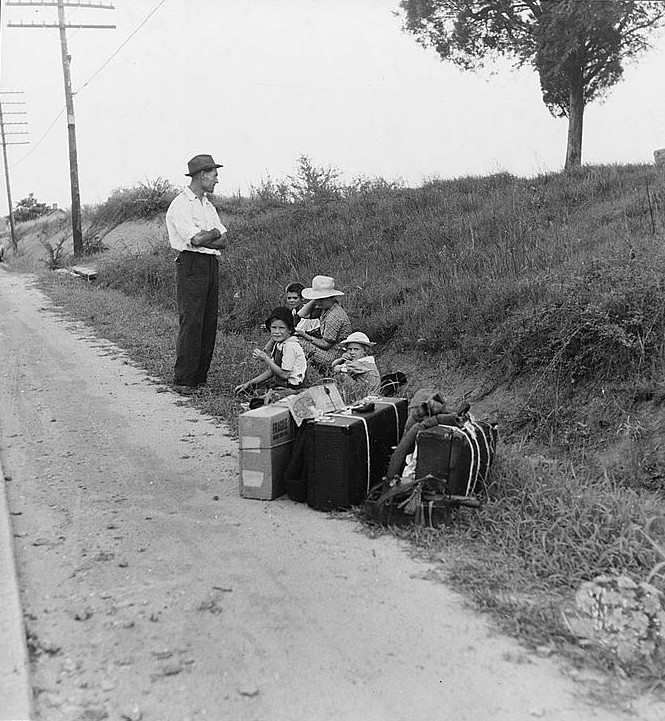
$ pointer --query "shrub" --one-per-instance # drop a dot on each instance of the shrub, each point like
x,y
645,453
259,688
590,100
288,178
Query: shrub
x,y
29,209
142,202
310,184
604,322
54,252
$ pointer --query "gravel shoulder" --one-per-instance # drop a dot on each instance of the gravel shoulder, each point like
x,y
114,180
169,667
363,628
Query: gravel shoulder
x,y
152,591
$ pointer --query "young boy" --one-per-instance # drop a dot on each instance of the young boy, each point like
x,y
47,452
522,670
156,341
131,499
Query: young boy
x,y
286,364
294,299
295,302
359,366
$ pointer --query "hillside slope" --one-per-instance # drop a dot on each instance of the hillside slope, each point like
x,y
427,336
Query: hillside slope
x,y
548,288
538,300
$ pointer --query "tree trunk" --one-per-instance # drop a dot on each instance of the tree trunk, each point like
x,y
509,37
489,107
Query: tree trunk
x,y
575,119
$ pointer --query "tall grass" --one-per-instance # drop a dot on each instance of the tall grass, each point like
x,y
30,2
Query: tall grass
x,y
469,266
560,524
556,278
546,527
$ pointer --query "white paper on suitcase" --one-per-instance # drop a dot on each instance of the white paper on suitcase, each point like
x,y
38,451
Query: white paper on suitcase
x,y
313,402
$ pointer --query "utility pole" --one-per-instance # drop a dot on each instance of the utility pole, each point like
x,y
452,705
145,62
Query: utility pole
x,y
77,232
62,25
3,134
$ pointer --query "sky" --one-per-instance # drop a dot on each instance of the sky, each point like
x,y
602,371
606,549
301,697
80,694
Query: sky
x,y
259,83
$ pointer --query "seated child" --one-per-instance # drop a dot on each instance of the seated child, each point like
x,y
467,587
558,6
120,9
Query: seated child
x,y
358,366
294,302
286,364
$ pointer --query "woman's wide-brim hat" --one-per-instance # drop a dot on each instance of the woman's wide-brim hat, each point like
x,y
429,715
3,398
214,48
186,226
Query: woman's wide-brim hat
x,y
357,337
323,286
283,314
199,163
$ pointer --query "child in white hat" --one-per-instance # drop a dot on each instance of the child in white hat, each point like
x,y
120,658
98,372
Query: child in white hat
x,y
357,364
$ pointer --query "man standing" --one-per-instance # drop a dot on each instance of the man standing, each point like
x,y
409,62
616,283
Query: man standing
x,y
196,231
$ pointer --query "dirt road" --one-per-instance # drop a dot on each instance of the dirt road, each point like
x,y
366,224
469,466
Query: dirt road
x,y
152,591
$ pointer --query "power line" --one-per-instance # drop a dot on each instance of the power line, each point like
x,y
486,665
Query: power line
x,y
89,80
63,25
129,37
48,130
3,136
54,3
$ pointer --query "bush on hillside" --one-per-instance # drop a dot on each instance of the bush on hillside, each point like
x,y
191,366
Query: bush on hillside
x,y
604,322
29,209
310,184
271,192
317,185
144,201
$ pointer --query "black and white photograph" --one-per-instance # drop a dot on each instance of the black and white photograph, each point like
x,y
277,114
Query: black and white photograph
x,y
332,360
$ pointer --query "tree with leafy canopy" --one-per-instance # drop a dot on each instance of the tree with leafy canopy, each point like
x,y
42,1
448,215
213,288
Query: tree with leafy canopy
x,y
578,47
29,208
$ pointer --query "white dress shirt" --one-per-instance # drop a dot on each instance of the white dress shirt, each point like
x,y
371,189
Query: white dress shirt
x,y
293,360
187,216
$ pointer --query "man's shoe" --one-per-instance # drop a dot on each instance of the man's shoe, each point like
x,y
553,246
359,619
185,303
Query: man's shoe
x,y
185,390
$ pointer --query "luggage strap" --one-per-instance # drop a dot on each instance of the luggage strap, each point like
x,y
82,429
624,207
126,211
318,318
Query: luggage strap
x,y
359,416
403,488
394,407
364,420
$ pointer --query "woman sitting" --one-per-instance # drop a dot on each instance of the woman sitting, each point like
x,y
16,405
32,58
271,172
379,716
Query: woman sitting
x,y
319,345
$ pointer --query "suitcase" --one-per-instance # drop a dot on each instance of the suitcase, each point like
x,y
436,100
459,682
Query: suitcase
x,y
413,503
348,452
461,455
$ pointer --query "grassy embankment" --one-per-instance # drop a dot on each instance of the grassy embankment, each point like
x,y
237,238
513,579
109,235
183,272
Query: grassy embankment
x,y
539,300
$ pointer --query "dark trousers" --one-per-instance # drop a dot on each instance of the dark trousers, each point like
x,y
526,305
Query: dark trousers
x,y
197,290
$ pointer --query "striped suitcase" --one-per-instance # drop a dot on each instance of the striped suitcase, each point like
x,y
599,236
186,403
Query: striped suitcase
x,y
461,455
348,452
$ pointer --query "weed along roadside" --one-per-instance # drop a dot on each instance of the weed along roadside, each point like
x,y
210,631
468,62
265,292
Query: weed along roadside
x,y
539,301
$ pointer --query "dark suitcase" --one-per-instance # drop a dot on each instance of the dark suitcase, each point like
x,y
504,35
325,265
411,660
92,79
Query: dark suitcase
x,y
348,452
461,455
384,505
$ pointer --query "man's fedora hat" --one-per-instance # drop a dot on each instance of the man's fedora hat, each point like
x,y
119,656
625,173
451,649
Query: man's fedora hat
x,y
199,163
323,286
